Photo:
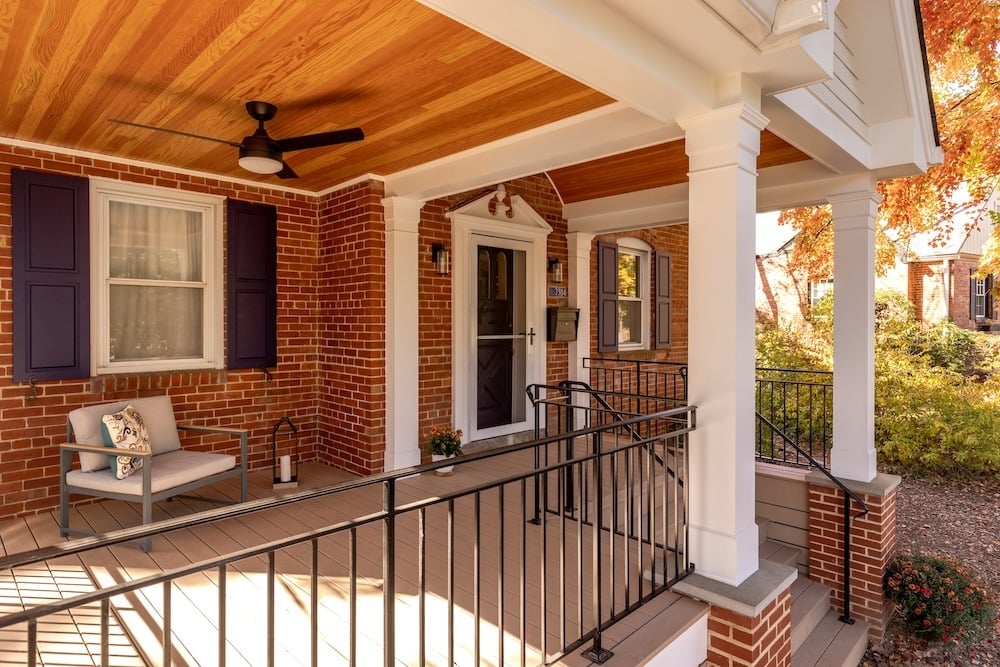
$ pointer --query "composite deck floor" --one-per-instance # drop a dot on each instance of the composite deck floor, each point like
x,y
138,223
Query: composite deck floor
x,y
350,613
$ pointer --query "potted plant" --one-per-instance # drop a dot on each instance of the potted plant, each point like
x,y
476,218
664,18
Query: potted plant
x,y
444,442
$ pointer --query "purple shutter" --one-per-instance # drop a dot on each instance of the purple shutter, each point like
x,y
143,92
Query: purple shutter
x,y
607,297
51,269
251,285
661,301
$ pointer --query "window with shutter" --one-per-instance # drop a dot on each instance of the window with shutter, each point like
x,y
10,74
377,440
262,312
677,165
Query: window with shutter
x,y
51,270
252,291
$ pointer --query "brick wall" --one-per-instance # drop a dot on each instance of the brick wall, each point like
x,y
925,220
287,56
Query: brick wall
x,y
31,427
764,640
873,546
674,241
351,328
926,291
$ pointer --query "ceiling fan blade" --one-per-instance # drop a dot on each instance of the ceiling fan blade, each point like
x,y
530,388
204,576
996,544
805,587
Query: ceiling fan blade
x,y
321,139
183,134
286,171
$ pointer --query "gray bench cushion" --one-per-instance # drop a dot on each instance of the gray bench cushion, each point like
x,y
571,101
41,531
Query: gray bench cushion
x,y
169,470
157,414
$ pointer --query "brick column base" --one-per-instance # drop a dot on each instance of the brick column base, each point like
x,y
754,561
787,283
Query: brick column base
x,y
764,640
873,544
749,625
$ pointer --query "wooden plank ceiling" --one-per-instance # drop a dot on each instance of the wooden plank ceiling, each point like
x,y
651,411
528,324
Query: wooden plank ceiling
x,y
420,85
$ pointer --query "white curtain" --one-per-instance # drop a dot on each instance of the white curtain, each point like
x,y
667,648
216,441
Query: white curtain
x,y
156,276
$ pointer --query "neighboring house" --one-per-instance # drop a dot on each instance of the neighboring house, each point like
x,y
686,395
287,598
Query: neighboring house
x,y
936,272
608,157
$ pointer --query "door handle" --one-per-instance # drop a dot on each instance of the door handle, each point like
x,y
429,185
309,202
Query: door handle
x,y
530,335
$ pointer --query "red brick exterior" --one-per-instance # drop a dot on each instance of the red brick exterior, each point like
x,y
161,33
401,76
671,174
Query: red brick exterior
x,y
873,546
672,240
762,641
330,379
926,291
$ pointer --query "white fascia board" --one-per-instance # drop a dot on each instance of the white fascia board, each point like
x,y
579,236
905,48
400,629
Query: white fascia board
x,y
591,43
802,118
609,130
802,184
926,150
635,210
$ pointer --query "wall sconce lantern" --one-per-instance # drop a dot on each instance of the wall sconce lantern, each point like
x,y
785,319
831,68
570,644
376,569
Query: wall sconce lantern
x,y
440,256
556,270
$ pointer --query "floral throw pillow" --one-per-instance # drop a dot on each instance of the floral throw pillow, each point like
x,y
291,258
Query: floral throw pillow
x,y
125,430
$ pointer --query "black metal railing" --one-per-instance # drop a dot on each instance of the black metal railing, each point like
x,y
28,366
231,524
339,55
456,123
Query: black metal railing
x,y
849,496
800,404
630,380
644,468
528,580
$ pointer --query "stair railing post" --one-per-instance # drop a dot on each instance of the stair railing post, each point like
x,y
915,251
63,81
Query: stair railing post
x,y
846,618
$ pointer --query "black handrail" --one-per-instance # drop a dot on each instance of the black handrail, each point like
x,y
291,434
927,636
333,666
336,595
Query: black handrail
x,y
848,497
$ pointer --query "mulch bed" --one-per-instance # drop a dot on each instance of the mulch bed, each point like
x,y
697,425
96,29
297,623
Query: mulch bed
x,y
957,519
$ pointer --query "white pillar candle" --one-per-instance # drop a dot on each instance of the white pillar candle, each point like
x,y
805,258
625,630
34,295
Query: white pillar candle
x,y
286,468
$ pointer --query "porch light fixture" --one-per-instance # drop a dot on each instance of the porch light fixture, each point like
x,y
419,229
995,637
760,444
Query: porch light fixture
x,y
259,161
440,256
556,270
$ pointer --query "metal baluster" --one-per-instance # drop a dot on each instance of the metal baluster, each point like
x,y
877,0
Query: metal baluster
x,y
222,614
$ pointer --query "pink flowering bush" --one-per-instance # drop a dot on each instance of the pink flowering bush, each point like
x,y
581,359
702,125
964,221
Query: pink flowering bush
x,y
938,599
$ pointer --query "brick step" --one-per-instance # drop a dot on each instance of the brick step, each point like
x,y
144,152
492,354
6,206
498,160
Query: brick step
x,y
832,643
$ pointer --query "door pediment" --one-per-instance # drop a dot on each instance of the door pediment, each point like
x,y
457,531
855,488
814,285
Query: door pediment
x,y
503,211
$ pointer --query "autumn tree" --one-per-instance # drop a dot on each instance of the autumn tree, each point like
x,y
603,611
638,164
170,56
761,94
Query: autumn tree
x,y
962,39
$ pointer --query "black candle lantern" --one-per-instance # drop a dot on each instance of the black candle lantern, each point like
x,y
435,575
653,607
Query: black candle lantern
x,y
285,467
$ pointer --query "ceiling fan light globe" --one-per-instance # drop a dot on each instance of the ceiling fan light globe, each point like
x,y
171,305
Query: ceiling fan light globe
x,y
260,164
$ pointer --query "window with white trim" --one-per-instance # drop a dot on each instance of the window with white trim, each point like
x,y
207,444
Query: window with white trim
x,y
633,296
979,298
156,257
819,289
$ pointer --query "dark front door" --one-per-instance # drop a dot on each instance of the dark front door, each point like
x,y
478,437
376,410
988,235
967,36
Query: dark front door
x,y
495,336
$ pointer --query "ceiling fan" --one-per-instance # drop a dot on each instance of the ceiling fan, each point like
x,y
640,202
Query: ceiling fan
x,y
260,153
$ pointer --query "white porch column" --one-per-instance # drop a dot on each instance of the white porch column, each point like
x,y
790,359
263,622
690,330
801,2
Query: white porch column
x,y
853,454
722,148
402,441
578,270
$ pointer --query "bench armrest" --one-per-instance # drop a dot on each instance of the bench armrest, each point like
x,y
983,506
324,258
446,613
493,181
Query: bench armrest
x,y
212,429
102,449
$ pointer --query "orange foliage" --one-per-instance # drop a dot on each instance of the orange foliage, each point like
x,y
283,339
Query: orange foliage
x,y
962,39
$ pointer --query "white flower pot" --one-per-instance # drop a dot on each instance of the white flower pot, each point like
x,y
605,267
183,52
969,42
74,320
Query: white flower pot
x,y
444,471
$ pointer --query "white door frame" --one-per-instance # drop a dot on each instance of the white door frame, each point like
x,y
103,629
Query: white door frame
x,y
523,230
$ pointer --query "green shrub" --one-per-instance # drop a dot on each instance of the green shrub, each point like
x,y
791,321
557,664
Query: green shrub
x,y
938,599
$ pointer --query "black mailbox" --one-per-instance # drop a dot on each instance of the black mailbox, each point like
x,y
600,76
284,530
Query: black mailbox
x,y
562,323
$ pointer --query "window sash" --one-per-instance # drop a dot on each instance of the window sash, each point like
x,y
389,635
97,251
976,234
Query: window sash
x,y
157,283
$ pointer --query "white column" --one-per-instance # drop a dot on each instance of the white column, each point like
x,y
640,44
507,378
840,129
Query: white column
x,y
402,440
578,272
853,455
722,148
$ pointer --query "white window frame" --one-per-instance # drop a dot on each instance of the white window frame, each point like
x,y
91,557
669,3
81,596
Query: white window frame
x,y
818,289
102,193
979,299
642,250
